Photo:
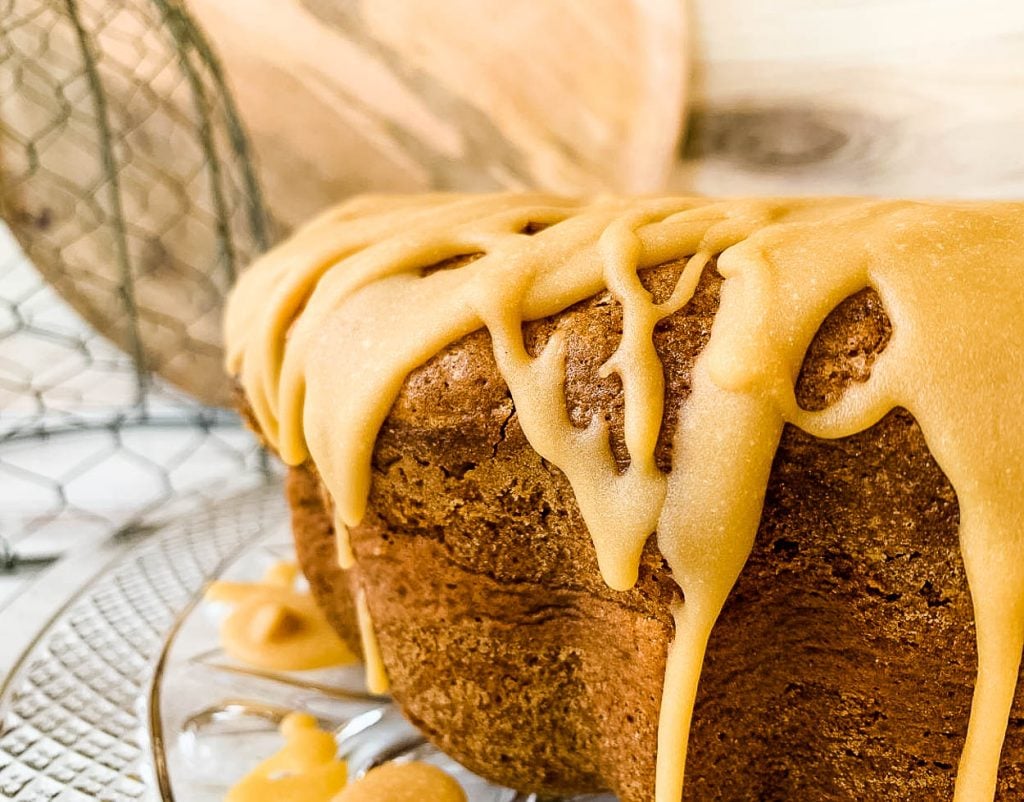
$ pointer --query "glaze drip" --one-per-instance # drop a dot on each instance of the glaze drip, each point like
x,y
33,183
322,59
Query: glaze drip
x,y
376,673
323,331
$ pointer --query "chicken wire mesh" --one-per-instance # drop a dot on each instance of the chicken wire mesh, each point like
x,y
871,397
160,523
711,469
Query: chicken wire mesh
x,y
131,203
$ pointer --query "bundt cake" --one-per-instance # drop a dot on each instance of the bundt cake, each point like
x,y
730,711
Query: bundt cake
x,y
555,461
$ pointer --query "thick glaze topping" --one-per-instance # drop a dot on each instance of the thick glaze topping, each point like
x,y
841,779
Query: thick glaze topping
x,y
323,331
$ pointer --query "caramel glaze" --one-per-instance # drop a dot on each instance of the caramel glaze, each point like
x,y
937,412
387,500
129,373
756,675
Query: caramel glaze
x,y
274,626
305,769
323,331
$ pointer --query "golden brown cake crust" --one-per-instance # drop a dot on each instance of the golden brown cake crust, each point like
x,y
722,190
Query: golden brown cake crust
x,y
316,550
841,667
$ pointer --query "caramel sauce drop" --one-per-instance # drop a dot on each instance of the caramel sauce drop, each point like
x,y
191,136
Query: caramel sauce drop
x,y
273,626
404,782
306,769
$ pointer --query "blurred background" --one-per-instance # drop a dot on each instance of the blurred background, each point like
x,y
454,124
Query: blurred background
x,y
149,149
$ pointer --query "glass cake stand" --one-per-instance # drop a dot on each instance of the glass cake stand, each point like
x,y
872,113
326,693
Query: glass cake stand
x,y
125,694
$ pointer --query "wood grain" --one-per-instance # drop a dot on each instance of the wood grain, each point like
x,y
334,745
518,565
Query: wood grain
x,y
921,98
574,96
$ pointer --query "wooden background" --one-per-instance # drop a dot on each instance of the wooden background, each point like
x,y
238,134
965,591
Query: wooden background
x,y
884,97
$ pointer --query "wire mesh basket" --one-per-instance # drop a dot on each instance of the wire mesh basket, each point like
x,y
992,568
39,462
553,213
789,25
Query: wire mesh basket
x,y
131,202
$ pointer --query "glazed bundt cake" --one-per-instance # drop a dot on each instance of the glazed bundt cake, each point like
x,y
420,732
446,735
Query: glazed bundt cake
x,y
554,461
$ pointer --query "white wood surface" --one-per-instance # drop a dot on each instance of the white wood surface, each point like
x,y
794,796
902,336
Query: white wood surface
x,y
883,97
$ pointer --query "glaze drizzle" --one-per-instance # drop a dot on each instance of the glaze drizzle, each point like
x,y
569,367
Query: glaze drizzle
x,y
951,278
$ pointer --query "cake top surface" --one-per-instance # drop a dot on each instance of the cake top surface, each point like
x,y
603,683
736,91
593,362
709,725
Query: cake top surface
x,y
324,329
